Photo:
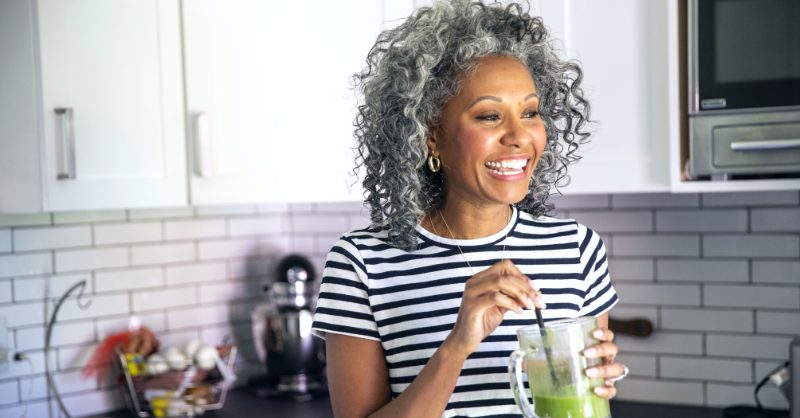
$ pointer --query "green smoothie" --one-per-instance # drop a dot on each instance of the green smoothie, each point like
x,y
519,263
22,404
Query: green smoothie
x,y
588,406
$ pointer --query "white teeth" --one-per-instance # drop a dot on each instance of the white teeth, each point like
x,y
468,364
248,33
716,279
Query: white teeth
x,y
508,164
507,172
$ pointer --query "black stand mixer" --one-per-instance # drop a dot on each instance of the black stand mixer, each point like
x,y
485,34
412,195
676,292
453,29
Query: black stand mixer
x,y
295,359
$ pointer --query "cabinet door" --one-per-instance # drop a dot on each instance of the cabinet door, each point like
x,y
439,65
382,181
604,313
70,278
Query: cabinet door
x,y
20,174
622,48
269,99
112,97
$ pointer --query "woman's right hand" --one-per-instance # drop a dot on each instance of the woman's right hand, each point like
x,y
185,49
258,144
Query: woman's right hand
x,y
488,295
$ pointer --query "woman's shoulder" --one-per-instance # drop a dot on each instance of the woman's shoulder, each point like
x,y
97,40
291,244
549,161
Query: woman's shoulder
x,y
545,221
554,224
356,240
365,235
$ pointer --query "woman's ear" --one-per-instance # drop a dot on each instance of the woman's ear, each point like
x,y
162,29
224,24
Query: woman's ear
x,y
433,143
432,146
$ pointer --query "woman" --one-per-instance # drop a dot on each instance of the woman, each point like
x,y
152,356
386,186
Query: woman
x,y
469,121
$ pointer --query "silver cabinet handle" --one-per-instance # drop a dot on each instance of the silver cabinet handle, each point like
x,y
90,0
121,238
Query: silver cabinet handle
x,y
65,146
769,145
202,144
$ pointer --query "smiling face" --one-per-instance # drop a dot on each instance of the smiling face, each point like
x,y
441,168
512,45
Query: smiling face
x,y
491,135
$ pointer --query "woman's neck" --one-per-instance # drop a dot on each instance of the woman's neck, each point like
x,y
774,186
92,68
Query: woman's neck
x,y
464,221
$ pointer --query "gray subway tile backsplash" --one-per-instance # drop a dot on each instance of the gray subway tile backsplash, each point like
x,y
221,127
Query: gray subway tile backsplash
x,y
661,245
752,296
748,346
705,319
655,200
706,369
633,269
717,274
777,220
703,270
748,199
690,220
751,245
775,322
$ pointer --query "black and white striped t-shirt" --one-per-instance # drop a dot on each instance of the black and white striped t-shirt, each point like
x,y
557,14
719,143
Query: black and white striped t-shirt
x,y
409,300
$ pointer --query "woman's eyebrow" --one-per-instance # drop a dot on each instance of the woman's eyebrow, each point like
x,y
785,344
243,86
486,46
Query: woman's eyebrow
x,y
530,96
497,99
474,102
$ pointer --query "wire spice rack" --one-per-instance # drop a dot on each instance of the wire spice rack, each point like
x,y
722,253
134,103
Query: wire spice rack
x,y
176,393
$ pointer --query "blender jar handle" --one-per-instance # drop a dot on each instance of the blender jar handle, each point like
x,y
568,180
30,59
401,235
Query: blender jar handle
x,y
517,387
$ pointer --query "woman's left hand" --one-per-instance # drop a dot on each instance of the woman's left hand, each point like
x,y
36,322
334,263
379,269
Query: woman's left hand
x,y
609,371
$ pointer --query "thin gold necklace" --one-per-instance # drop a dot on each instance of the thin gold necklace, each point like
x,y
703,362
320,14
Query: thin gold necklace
x,y
452,238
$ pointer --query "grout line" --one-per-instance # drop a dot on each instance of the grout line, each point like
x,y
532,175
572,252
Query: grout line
x,y
654,266
53,262
701,254
659,325
749,212
658,365
704,344
702,295
705,393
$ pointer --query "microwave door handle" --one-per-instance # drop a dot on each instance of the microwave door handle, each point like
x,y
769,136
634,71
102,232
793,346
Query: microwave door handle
x,y
769,145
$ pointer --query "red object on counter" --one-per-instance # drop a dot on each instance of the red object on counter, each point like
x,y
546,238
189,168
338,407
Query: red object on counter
x,y
141,341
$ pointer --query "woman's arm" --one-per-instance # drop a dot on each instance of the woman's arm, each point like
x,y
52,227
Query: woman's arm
x,y
359,381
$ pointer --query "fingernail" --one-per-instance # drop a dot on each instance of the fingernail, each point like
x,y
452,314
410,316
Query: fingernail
x,y
590,352
598,333
533,286
530,303
542,305
592,372
600,391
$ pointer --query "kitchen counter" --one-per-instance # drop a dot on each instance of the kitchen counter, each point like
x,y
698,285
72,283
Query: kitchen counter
x,y
243,403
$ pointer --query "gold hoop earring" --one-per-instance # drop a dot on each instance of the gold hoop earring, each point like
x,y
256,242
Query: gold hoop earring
x,y
434,164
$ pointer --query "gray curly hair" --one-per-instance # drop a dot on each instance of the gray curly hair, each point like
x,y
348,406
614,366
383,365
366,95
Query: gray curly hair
x,y
411,73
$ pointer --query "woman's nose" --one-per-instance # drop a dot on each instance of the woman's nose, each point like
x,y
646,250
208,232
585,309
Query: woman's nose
x,y
515,134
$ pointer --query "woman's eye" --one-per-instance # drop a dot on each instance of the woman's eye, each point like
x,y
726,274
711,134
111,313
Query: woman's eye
x,y
491,117
530,114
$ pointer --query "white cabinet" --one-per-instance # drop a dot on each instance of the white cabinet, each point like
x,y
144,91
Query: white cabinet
x,y
623,51
270,105
95,115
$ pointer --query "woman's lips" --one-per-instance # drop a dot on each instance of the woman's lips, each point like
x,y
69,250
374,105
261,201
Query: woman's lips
x,y
508,169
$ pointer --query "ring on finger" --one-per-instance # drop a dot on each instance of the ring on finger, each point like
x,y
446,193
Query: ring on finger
x,y
624,374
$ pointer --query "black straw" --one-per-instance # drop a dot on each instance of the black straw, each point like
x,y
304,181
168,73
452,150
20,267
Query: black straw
x,y
547,352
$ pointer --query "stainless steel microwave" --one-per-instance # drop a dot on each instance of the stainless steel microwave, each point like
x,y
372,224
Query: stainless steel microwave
x,y
744,88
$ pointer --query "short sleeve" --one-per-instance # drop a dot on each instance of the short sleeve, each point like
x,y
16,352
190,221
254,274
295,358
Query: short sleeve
x,y
599,293
343,304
